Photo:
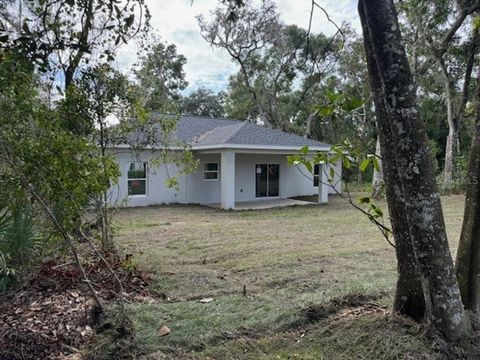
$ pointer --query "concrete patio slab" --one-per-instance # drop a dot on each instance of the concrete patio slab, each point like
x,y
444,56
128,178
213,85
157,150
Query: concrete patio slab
x,y
265,204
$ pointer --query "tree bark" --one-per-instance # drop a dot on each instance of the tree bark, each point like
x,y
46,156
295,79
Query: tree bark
x,y
468,254
377,182
407,149
409,297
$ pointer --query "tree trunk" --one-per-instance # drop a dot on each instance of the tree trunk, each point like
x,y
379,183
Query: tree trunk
x,y
449,168
409,297
407,148
452,137
454,117
308,125
377,182
468,255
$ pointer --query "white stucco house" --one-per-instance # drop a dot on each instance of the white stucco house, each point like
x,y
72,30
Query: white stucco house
x,y
238,162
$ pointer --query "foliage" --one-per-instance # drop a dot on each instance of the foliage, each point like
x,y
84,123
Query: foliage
x,y
203,102
157,135
43,161
63,36
7,274
160,77
442,40
460,181
20,240
346,154
273,58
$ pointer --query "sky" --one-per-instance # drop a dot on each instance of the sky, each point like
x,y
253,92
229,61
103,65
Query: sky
x,y
175,21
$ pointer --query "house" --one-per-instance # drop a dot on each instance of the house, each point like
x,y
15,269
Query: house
x,y
238,162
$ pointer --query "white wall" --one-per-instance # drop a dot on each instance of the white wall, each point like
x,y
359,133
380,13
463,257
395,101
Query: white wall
x,y
193,189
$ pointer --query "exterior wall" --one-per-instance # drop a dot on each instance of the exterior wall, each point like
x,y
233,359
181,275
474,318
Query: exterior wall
x,y
194,189
337,180
292,182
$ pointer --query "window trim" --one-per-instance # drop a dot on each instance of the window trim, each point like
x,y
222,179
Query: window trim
x,y
211,171
145,163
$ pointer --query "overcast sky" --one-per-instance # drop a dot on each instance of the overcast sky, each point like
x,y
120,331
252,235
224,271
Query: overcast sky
x,y
174,21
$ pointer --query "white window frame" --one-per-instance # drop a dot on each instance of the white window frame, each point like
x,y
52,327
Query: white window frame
x,y
211,171
143,179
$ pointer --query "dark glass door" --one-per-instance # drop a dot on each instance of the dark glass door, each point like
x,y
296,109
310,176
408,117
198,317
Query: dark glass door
x,y
273,179
261,183
267,180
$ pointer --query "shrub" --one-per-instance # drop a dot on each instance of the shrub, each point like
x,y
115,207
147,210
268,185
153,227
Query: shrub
x,y
21,244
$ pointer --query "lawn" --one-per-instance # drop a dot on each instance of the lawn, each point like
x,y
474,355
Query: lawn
x,y
318,280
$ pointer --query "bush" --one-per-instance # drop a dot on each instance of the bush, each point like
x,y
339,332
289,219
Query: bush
x,y
20,244
7,275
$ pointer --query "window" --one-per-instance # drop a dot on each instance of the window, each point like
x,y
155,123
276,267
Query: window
x,y
137,179
210,171
316,175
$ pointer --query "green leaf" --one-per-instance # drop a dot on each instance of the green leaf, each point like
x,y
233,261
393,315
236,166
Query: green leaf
x,y
365,200
304,150
377,210
346,163
291,159
352,104
332,96
364,164
326,111
476,23
309,166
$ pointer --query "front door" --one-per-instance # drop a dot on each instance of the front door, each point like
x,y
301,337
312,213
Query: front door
x,y
267,180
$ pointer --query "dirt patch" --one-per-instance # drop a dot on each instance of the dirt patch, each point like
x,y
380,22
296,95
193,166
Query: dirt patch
x,y
52,315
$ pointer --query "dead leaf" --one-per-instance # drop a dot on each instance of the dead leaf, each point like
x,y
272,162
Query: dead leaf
x,y
163,331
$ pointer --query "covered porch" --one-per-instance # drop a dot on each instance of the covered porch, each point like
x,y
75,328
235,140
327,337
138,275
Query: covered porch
x,y
261,179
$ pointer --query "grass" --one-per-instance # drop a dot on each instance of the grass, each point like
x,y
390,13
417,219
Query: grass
x,y
290,260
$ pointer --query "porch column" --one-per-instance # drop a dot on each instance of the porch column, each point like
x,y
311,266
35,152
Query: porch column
x,y
323,186
227,179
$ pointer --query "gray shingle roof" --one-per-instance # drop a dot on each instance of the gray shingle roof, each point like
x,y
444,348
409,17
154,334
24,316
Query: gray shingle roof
x,y
204,132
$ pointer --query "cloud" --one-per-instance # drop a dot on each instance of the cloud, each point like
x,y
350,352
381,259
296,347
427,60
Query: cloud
x,y
175,21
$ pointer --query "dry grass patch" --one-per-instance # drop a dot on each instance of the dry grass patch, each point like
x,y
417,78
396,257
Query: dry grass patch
x,y
289,259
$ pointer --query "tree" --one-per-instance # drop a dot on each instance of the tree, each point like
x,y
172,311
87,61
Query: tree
x,y
97,97
160,76
468,260
271,57
404,145
203,102
439,26
62,36
56,171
